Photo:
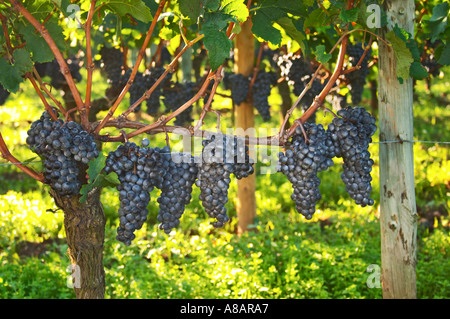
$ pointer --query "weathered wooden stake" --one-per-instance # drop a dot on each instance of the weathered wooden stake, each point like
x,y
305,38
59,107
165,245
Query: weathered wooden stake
x,y
244,119
398,215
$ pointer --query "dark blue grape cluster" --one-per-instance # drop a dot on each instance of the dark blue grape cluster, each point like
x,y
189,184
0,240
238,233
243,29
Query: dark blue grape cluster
x,y
137,88
139,170
62,146
302,161
357,78
176,96
154,101
111,65
221,156
351,134
240,85
261,89
143,82
176,190
348,136
298,72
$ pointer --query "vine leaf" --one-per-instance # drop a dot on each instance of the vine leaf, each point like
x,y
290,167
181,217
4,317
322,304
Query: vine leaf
x,y
216,40
445,55
22,61
96,179
437,23
235,8
191,8
403,55
417,71
37,45
11,75
350,15
269,12
321,55
137,8
292,31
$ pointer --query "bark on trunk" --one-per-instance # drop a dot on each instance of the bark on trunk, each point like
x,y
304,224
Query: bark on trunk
x,y
85,233
398,215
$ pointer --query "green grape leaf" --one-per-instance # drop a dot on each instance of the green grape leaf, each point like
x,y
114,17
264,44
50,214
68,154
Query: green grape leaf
x,y
137,8
111,180
403,55
288,25
218,45
271,11
418,71
212,5
95,166
321,55
444,58
191,8
57,34
263,29
350,15
10,76
235,8
216,41
436,24
315,19
36,44
410,42
22,61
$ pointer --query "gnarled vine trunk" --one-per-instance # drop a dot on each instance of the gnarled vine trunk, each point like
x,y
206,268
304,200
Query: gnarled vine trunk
x,y
85,233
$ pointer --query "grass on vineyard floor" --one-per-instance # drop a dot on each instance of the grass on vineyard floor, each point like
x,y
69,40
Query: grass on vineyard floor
x,y
282,256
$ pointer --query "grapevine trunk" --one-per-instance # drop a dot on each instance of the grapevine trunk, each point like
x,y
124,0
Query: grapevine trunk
x,y
85,232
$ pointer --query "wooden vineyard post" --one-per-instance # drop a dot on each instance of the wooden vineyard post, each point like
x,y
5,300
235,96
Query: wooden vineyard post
x,y
398,215
244,119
